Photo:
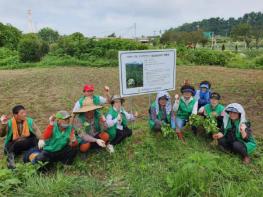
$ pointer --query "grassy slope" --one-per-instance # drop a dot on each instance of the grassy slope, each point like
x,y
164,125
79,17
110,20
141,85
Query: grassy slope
x,y
146,164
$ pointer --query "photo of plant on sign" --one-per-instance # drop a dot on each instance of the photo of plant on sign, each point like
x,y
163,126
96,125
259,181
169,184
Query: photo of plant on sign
x,y
134,75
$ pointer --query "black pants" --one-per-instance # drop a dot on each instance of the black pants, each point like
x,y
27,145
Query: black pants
x,y
23,144
121,135
66,155
235,146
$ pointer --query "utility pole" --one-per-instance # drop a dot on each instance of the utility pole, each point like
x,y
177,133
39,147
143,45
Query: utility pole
x,y
135,31
29,20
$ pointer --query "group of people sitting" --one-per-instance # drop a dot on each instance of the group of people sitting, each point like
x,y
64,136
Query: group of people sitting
x,y
234,134
67,133
88,127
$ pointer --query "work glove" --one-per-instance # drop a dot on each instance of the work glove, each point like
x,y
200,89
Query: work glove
x,y
41,144
101,143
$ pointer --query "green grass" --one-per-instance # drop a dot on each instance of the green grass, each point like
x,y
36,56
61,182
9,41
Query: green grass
x,y
149,165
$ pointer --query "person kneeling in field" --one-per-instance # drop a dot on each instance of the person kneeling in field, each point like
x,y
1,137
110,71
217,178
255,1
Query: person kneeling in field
x,y
203,94
184,107
117,120
236,134
59,141
160,112
89,98
21,134
214,109
90,124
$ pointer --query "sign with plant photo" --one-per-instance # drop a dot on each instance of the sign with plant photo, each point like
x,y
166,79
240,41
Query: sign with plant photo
x,y
146,71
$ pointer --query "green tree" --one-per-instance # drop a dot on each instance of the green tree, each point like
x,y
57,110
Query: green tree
x,y
9,36
242,32
31,48
48,35
257,32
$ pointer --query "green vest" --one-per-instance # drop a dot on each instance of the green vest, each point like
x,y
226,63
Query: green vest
x,y
218,109
185,111
250,142
82,119
159,116
58,139
96,101
10,130
112,130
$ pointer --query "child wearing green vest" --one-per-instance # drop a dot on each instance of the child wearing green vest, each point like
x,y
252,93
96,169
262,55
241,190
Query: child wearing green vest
x,y
160,112
90,125
236,134
89,97
59,141
184,107
117,121
21,134
214,109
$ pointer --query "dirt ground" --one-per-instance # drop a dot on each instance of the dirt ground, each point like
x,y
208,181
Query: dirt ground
x,y
43,91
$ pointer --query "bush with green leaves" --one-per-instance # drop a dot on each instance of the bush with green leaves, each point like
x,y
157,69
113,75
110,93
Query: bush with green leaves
x,y
11,180
77,45
208,123
167,131
195,120
208,57
9,36
259,61
8,57
194,175
31,48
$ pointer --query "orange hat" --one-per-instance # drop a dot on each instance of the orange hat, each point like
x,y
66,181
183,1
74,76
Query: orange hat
x,y
88,87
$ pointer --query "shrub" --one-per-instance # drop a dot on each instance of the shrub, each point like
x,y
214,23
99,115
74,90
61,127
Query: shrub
x,y
208,57
8,57
31,48
194,176
259,61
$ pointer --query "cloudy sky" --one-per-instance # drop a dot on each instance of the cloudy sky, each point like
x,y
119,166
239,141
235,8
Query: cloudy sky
x,y
103,17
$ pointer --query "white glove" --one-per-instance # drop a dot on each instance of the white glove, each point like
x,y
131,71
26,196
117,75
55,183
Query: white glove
x,y
110,148
41,144
100,143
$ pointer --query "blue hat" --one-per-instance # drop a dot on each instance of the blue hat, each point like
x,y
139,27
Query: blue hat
x,y
205,84
188,88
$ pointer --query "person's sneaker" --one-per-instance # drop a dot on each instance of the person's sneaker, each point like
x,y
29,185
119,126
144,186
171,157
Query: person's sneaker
x,y
110,148
11,161
246,160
